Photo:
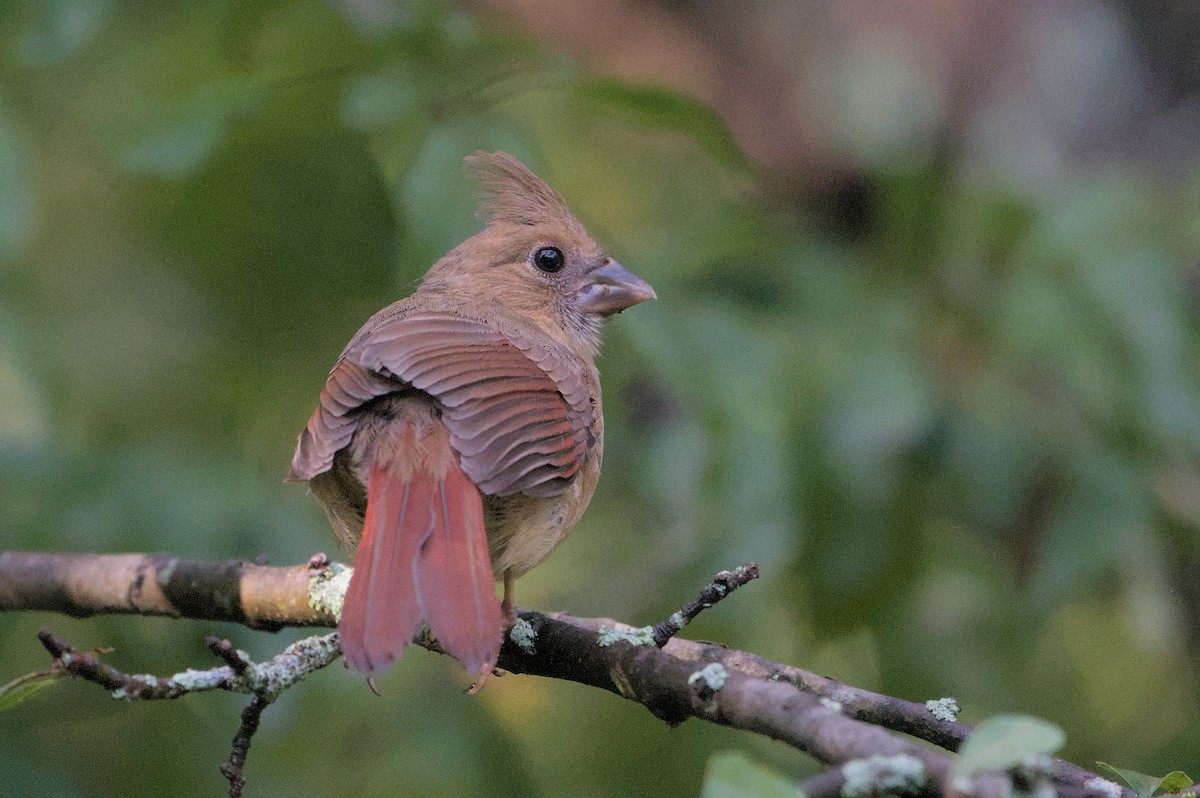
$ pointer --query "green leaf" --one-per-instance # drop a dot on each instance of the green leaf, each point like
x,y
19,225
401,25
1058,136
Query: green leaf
x,y
1145,786
1175,781
23,688
1006,741
664,109
731,774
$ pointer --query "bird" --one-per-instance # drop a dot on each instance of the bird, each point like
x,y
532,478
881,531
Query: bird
x,y
459,436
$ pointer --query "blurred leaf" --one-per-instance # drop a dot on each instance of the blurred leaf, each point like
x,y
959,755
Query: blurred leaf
x,y
1006,741
16,200
1145,786
885,99
376,100
23,688
23,418
61,27
731,774
665,109
26,773
883,408
438,200
193,128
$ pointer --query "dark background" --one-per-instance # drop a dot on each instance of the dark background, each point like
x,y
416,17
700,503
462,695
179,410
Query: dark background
x,y
925,347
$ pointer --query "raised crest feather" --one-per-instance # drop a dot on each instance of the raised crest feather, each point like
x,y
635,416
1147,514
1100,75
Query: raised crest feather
x,y
510,193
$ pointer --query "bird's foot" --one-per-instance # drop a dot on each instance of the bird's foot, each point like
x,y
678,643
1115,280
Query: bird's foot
x,y
482,678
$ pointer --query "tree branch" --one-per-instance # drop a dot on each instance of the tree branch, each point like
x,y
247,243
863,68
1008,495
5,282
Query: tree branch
x,y
233,768
266,681
835,723
721,586
80,585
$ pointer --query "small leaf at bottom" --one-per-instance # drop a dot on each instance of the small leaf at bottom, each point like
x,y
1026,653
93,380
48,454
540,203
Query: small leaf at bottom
x,y
25,687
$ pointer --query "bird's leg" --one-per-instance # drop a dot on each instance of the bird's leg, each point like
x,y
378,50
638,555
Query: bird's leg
x,y
507,607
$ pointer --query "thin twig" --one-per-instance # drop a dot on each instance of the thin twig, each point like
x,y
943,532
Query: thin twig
x,y
223,649
240,676
88,666
266,681
721,586
232,769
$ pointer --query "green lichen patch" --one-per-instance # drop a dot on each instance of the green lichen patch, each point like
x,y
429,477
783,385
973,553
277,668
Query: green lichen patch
x,y
192,680
943,709
139,683
710,678
616,634
879,775
676,623
1104,787
269,679
327,589
524,635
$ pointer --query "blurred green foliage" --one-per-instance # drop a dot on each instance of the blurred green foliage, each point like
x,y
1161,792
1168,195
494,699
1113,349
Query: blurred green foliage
x,y
962,443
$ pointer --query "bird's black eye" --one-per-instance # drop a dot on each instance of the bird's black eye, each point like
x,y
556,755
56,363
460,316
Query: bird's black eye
x,y
549,259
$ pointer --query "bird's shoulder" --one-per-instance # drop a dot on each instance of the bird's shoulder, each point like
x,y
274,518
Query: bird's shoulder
x,y
482,322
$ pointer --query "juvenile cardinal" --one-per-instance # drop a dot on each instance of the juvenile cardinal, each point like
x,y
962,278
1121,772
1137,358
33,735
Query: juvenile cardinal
x,y
459,435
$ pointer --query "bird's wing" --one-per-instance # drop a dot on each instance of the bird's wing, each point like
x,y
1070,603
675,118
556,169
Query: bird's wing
x,y
518,407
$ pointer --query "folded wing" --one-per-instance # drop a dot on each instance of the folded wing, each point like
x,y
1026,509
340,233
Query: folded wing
x,y
519,415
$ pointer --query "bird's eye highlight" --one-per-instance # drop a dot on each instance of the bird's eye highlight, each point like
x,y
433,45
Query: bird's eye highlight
x,y
549,259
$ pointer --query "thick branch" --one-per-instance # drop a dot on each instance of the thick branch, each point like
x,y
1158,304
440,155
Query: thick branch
x,y
80,585
834,723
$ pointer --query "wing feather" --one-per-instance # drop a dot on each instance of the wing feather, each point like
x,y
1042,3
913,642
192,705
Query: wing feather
x,y
518,407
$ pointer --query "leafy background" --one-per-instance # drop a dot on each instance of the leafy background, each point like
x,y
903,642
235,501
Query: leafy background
x,y
926,348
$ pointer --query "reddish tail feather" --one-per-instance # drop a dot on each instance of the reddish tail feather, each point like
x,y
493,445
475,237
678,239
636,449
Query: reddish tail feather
x,y
423,557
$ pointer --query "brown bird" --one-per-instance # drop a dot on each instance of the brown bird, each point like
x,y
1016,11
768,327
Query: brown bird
x,y
458,438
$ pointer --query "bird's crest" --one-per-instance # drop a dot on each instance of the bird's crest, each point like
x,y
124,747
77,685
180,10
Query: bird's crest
x,y
510,193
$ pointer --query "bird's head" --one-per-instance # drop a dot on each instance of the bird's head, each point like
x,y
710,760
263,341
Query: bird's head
x,y
534,258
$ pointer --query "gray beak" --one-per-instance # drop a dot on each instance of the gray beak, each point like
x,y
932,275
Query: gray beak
x,y
611,288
